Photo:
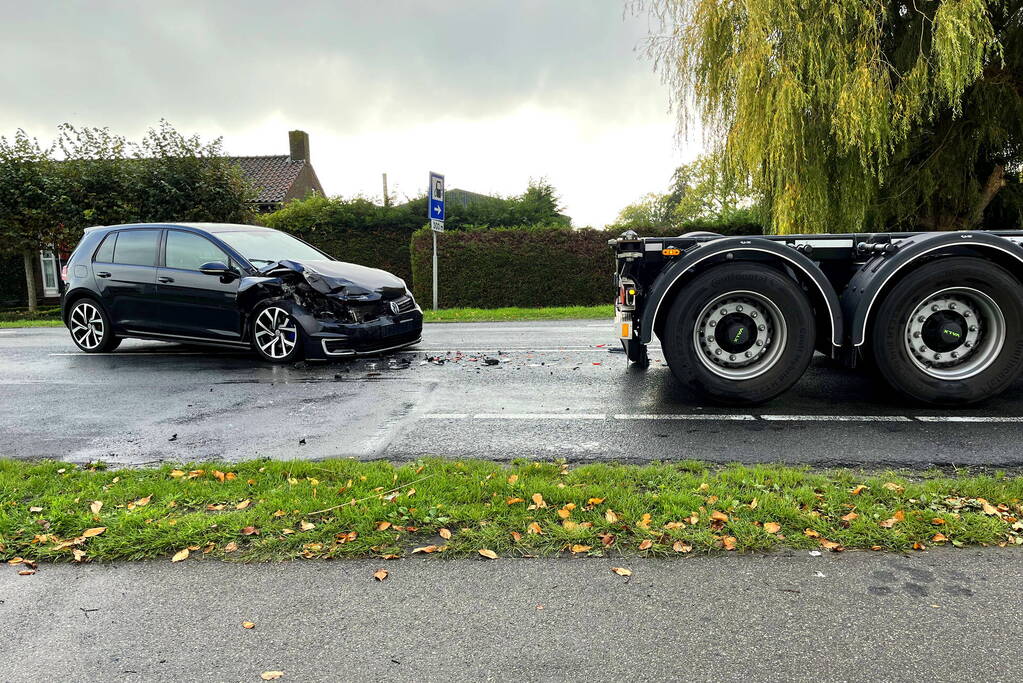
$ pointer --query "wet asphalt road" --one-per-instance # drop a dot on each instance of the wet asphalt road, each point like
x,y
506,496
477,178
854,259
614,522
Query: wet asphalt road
x,y
558,391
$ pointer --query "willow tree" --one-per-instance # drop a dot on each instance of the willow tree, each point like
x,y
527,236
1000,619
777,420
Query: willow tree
x,y
850,113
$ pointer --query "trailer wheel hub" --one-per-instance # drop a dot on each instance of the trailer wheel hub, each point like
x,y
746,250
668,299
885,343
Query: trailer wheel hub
x,y
955,333
739,335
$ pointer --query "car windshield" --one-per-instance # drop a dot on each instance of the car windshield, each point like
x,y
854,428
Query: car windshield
x,y
270,246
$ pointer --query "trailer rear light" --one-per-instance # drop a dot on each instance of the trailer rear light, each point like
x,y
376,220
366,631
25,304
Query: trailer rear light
x,y
671,251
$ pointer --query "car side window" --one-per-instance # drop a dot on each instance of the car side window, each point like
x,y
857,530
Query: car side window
x,y
105,253
188,251
137,247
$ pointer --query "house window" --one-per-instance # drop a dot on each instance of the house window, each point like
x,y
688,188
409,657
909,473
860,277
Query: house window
x,y
50,271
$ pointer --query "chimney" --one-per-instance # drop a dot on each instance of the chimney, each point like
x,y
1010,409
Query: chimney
x,y
299,141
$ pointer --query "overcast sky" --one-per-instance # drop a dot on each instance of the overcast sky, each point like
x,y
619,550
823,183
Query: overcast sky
x,y
489,92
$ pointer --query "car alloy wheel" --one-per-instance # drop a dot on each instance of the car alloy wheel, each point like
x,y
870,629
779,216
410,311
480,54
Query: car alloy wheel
x,y
87,326
275,333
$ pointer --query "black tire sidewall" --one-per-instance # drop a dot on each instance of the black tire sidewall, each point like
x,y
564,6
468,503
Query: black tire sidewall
x,y
677,335
893,361
110,341
296,353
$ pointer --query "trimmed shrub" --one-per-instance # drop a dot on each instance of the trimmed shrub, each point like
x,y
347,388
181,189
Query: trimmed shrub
x,y
528,267
12,280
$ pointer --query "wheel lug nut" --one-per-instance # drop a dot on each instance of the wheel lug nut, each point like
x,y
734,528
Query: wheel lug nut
x,y
935,308
713,323
916,335
937,356
731,358
739,309
968,345
921,319
760,342
952,307
761,327
718,352
955,354
966,314
723,311
749,355
973,328
923,349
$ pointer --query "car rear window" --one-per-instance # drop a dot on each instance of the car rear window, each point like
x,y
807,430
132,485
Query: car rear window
x,y
137,247
105,253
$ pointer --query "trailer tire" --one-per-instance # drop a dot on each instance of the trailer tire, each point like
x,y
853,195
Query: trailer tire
x,y
951,332
739,334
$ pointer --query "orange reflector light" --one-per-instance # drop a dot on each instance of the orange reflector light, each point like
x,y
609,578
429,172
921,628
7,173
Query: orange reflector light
x,y
671,251
626,331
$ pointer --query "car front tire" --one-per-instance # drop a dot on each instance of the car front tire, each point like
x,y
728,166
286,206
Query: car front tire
x,y
275,334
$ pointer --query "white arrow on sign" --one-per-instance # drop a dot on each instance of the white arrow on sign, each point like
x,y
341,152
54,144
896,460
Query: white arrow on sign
x,y
436,209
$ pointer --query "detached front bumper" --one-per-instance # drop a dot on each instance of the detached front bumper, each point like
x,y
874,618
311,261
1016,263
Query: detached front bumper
x,y
386,333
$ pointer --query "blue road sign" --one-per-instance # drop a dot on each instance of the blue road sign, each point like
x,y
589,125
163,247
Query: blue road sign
x,y
436,197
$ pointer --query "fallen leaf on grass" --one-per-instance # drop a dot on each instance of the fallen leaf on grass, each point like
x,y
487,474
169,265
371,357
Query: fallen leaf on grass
x,y
512,479
772,527
849,517
271,675
718,516
939,538
383,526
425,549
307,526
26,572
729,542
35,508
380,574
516,536
248,624
680,547
534,528
180,555
646,545
242,505
96,506
621,571
892,486
512,501
539,501
489,554
580,548
230,547
644,522
79,555
937,521
832,545
610,516
988,508
445,534
594,501
811,533
95,531
858,490
919,546
250,531
888,523
141,502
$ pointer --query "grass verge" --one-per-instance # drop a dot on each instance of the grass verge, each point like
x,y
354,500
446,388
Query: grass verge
x,y
479,315
273,510
22,317
30,323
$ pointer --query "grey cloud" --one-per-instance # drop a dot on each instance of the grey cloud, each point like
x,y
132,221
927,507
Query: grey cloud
x,y
348,66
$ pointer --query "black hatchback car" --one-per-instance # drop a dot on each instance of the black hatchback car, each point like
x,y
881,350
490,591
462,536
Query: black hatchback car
x,y
231,285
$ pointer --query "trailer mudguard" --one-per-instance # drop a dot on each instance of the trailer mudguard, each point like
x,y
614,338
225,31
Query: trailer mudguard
x,y
727,249
868,286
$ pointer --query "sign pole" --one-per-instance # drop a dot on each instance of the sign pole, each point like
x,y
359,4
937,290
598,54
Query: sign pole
x,y
435,211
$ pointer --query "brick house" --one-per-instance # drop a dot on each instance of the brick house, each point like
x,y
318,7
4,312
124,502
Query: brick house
x,y
277,179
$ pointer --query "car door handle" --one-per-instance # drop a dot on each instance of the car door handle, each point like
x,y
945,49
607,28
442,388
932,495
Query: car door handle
x,y
165,279
102,273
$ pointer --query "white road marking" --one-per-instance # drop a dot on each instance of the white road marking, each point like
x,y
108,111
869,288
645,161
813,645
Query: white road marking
x,y
967,418
129,354
538,416
836,418
684,417
447,416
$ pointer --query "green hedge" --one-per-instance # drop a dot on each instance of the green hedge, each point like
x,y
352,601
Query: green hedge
x,y
528,267
12,280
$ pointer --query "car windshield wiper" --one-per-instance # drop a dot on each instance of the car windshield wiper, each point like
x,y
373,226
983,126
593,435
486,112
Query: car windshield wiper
x,y
262,260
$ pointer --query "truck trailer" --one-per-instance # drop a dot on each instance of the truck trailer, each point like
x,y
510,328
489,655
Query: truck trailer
x,y
936,315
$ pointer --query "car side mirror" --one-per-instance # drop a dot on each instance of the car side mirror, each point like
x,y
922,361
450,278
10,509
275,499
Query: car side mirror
x,y
216,268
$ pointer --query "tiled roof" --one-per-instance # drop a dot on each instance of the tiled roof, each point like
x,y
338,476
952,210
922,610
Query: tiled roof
x,y
272,176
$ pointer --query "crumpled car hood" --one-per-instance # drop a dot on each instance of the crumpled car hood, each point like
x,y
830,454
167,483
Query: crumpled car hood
x,y
340,279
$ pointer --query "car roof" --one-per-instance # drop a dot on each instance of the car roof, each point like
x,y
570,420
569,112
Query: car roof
x,y
204,227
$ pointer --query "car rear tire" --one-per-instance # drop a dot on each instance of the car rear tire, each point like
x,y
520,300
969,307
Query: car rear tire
x,y
90,327
951,332
739,334
276,335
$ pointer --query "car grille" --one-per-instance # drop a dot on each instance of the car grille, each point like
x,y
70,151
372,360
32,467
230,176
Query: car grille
x,y
406,304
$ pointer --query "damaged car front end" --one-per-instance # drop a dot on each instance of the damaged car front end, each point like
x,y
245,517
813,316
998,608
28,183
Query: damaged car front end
x,y
343,309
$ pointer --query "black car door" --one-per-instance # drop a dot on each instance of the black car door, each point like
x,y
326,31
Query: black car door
x,y
192,303
125,270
